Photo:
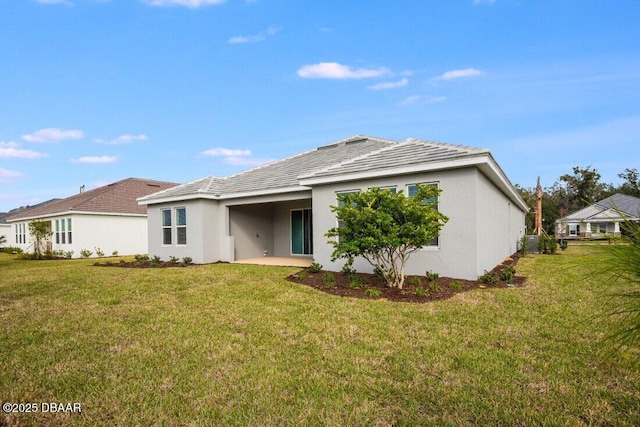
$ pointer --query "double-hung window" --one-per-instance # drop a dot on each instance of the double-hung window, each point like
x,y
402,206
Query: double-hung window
x,y
412,190
177,222
181,226
166,226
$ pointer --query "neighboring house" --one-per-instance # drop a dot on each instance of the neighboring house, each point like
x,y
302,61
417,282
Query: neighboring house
x,y
284,208
600,220
108,218
6,229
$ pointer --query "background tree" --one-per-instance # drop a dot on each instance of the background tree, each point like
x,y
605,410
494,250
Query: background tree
x,y
40,231
581,189
631,184
386,228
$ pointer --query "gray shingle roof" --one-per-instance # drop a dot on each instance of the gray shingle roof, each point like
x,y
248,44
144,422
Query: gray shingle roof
x,y
279,174
354,154
607,209
409,152
628,205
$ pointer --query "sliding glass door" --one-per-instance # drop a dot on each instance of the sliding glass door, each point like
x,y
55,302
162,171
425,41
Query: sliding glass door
x,y
301,232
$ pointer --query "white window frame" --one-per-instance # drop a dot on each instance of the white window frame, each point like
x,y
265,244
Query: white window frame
x,y
437,185
166,227
178,226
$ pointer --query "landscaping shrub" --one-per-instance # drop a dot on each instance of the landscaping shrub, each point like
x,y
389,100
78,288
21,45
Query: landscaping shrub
x,y
315,267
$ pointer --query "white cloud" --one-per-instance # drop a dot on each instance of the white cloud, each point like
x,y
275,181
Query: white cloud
x,y
96,159
254,38
390,85
458,74
122,139
410,100
14,153
7,175
435,99
226,152
9,144
192,4
333,70
53,135
413,99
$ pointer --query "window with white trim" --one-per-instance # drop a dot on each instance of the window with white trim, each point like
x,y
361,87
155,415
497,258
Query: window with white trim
x,y
181,226
69,240
21,233
341,203
412,190
166,226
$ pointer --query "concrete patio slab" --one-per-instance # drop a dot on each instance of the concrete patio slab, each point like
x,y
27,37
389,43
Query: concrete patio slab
x,y
281,261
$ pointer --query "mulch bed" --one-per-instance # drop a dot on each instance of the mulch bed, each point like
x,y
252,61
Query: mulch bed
x,y
439,289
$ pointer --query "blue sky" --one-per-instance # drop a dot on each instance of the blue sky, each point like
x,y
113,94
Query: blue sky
x,y
94,91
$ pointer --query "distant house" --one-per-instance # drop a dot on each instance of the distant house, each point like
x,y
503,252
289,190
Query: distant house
x,y
6,228
600,220
283,209
108,218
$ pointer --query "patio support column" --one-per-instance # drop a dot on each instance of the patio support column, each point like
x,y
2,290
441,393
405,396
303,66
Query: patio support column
x,y
616,227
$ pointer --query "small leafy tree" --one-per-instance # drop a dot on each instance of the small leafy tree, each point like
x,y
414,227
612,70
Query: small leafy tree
x,y
40,231
386,228
3,239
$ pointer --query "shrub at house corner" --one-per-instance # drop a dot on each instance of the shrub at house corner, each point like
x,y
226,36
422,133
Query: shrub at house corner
x,y
386,228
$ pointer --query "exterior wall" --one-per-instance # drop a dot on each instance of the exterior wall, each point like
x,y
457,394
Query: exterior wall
x,y
127,235
456,256
252,229
6,230
12,238
202,237
500,224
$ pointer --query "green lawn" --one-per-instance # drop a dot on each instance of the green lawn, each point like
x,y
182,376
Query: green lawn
x,y
238,345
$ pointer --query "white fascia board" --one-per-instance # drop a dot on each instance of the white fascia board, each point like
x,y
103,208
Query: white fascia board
x,y
228,196
268,192
182,198
72,212
499,178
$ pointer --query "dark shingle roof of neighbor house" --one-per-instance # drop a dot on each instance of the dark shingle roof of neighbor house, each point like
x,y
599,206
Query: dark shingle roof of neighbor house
x,y
4,216
357,153
118,197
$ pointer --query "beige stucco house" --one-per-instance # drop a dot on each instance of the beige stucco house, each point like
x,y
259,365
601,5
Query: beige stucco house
x,y
283,208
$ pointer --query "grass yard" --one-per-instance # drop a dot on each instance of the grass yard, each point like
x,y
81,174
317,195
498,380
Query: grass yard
x,y
239,345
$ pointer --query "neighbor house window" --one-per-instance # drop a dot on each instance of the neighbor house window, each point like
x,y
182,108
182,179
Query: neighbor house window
x,y
574,229
181,225
412,190
57,231
21,233
63,232
68,230
166,226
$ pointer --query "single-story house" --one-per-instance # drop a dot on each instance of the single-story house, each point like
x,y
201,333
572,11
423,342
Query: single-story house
x,y
600,220
108,218
283,208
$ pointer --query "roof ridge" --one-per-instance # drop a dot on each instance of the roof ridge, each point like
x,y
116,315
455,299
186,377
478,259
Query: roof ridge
x,y
459,147
341,141
353,159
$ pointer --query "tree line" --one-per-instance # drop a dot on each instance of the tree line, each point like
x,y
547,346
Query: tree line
x,y
572,192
